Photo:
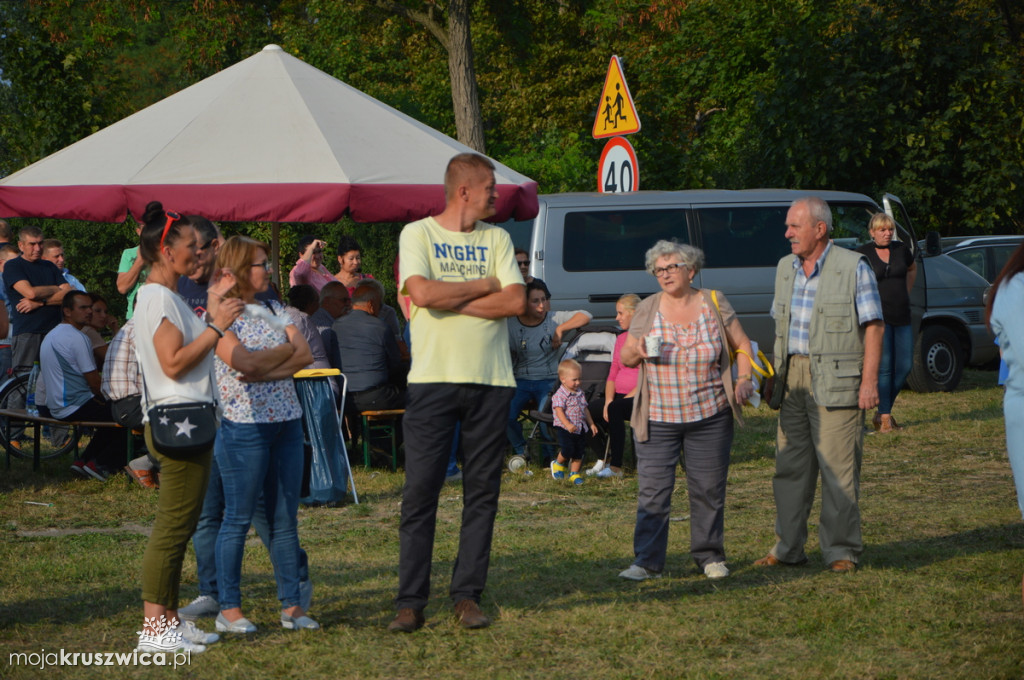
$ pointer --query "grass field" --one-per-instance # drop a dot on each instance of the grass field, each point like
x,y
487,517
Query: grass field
x,y
937,596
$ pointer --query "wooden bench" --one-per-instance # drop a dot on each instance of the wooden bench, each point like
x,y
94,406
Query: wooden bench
x,y
21,415
382,422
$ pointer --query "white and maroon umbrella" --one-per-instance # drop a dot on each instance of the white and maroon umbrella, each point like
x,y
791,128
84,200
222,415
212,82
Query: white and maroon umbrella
x,y
269,139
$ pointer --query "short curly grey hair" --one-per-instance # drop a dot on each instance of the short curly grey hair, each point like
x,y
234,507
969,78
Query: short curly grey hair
x,y
692,257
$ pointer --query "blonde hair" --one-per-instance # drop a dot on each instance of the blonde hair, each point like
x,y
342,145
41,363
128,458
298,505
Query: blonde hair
x,y
567,365
879,220
629,301
236,256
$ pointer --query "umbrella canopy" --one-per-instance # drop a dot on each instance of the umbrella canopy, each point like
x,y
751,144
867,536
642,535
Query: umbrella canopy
x,y
268,139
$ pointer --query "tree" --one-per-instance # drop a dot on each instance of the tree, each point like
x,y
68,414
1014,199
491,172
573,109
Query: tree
x,y
454,36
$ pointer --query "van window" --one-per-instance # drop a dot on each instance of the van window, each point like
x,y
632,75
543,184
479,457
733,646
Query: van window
x,y
743,236
617,240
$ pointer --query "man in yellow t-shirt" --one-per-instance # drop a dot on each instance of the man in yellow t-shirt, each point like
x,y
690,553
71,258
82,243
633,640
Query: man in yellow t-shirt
x,y
462,279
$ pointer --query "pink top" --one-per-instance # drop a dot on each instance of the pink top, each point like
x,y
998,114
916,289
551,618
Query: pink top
x,y
303,273
685,382
624,377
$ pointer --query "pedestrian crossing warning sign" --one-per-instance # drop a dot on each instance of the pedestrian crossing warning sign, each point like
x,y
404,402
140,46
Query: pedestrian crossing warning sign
x,y
616,114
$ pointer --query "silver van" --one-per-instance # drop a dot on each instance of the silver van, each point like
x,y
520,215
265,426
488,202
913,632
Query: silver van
x,y
589,249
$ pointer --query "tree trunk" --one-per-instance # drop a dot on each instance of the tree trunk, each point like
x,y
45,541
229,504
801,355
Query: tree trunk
x,y
469,124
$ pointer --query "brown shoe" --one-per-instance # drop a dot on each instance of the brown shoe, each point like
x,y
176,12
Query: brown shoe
x,y
771,560
842,566
887,424
407,621
876,422
470,615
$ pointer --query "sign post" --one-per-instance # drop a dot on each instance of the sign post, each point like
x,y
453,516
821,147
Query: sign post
x,y
618,170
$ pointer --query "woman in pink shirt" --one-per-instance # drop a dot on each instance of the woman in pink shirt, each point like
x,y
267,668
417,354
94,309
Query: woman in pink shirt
x,y
309,269
619,389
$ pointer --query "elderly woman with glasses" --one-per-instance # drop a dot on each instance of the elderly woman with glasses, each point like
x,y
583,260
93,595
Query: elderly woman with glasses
x,y
686,399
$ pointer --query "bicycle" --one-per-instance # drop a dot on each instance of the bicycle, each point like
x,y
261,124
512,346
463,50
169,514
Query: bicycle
x,y
61,438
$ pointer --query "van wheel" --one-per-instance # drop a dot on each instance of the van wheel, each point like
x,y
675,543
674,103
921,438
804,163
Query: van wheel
x,y
938,361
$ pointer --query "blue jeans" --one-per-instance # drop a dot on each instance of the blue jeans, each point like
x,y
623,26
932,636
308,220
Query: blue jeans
x,y
526,390
204,540
256,458
897,355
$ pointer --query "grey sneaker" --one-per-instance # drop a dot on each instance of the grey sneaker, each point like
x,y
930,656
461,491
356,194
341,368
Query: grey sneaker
x,y
201,607
638,573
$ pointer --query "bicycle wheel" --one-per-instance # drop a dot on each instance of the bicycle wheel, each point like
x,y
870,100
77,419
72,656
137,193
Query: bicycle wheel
x,y
59,440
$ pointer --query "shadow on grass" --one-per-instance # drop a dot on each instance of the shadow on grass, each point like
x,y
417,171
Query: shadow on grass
x,y
537,580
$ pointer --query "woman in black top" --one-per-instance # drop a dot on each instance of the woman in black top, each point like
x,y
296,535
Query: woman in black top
x,y
895,270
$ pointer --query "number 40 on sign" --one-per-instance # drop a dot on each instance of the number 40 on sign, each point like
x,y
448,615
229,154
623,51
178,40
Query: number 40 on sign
x,y
618,170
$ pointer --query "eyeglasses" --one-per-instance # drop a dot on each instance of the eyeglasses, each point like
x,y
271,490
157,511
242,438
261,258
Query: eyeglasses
x,y
523,263
668,269
172,217
265,264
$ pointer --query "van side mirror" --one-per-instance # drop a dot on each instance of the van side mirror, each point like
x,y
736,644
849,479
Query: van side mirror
x,y
932,244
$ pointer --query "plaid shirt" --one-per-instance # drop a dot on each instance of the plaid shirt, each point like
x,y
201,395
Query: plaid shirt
x,y
121,376
574,404
685,382
869,305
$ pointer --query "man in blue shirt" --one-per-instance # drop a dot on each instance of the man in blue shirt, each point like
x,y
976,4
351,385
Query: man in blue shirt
x,y
35,288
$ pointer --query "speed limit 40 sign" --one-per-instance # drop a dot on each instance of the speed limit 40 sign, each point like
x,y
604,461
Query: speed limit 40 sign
x,y
618,171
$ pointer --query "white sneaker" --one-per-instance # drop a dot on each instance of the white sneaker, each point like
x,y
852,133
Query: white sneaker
x,y
716,570
190,632
598,466
608,472
183,646
201,607
638,573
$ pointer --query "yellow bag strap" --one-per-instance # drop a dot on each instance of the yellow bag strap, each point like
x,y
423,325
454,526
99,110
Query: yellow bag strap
x,y
760,355
753,363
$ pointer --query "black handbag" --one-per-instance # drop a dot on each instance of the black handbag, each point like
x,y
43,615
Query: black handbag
x,y
183,430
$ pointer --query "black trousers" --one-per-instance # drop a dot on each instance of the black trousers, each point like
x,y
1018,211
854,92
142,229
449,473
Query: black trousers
x,y
431,412
108,446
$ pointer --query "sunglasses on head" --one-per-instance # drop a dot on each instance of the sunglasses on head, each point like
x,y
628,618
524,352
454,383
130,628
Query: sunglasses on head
x,y
172,217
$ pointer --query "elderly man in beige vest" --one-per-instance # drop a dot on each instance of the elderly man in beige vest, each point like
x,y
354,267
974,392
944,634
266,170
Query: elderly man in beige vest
x,y
828,342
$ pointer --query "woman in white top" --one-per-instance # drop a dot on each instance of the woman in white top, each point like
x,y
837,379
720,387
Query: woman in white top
x,y
177,366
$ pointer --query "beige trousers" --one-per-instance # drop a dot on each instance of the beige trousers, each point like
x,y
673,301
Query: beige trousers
x,y
813,439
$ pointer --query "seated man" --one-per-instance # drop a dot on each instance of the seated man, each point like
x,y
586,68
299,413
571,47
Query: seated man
x,y
369,354
121,383
68,370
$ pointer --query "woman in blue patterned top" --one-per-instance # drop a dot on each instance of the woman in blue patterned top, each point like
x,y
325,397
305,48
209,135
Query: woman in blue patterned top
x,y
259,443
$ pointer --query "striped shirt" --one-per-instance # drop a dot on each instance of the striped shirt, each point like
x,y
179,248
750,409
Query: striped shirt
x,y
685,382
868,304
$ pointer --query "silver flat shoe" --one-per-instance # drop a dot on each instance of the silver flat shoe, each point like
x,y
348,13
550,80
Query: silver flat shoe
x,y
298,623
242,625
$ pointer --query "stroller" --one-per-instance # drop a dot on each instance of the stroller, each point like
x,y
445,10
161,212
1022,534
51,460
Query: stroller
x,y
592,347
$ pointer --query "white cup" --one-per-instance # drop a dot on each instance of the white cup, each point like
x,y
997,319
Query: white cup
x,y
652,343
